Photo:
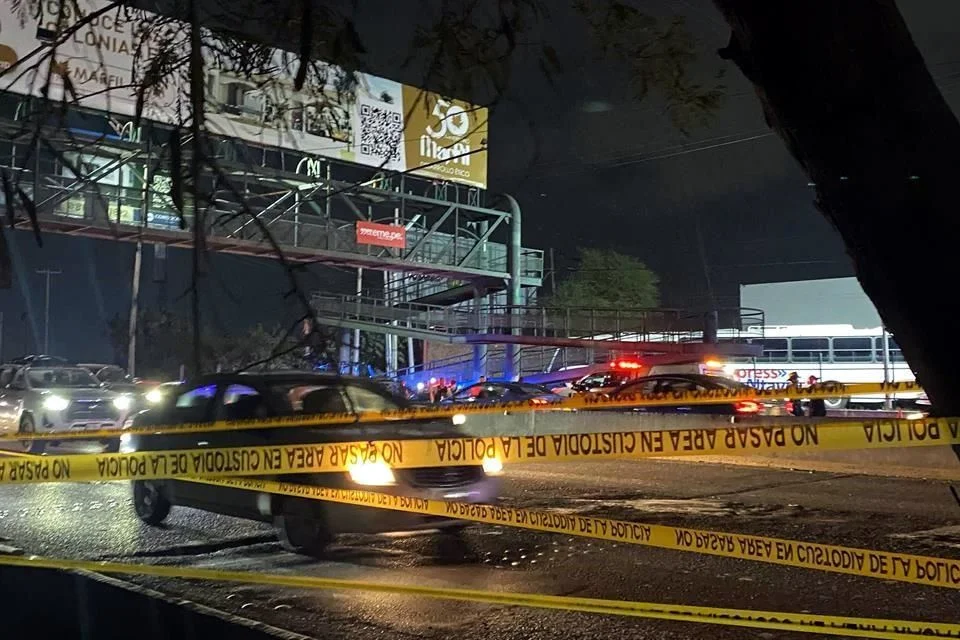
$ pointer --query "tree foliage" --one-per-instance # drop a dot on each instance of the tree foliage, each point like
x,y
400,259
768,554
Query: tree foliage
x,y
655,57
164,344
607,279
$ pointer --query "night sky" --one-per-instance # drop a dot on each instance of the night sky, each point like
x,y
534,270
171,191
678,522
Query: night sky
x,y
589,164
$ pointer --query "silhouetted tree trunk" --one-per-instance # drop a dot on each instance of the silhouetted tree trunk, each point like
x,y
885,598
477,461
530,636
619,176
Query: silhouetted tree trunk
x,y
845,87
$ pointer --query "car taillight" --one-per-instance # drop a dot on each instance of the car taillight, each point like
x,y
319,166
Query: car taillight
x,y
746,406
537,401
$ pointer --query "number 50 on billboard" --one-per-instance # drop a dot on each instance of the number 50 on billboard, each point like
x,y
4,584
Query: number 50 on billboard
x,y
356,117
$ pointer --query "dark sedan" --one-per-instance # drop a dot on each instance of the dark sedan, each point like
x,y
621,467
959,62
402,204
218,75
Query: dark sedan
x,y
494,392
684,383
305,526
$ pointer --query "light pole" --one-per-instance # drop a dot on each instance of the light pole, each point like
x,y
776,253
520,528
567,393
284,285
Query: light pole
x,y
46,308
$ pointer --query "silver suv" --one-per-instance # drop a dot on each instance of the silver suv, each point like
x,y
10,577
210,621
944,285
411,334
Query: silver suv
x,y
55,397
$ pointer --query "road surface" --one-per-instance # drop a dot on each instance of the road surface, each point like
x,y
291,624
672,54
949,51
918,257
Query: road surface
x,y
96,521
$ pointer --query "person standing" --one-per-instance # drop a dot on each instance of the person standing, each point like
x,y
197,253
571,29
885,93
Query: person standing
x,y
818,406
794,385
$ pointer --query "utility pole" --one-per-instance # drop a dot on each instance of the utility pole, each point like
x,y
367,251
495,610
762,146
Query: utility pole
x,y
46,308
553,274
134,312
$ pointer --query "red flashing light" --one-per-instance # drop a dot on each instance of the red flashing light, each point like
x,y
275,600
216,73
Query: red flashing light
x,y
747,406
627,364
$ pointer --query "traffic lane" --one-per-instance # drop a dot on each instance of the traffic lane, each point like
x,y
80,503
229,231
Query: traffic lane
x,y
682,479
521,561
573,567
94,520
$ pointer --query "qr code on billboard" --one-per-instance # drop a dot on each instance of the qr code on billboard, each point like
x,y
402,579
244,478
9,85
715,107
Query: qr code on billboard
x,y
381,133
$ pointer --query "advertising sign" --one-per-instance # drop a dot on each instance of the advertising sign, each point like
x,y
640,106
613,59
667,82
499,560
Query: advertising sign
x,y
355,117
382,235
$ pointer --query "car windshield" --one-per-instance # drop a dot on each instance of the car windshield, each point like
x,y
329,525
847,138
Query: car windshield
x,y
61,377
112,374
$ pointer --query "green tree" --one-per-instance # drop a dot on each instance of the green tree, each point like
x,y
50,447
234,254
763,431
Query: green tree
x,y
609,280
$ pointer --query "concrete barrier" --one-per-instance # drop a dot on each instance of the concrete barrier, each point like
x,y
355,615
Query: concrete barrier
x,y
43,603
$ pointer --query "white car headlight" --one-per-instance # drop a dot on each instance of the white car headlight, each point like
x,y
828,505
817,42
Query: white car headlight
x,y
492,466
55,403
372,474
123,403
154,396
459,419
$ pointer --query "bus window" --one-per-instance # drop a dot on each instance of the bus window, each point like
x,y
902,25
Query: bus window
x,y
895,354
852,349
810,349
774,349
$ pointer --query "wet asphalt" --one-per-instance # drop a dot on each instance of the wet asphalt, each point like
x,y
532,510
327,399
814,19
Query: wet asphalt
x,y
97,522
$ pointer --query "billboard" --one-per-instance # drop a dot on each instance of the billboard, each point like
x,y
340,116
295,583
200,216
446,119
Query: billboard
x,y
350,116
382,235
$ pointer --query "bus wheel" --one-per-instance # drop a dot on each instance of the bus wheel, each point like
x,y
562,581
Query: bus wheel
x,y
836,403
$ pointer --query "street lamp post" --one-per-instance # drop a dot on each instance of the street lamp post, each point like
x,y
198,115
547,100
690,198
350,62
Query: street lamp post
x,y
46,307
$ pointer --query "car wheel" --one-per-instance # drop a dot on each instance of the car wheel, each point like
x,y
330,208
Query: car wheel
x,y
151,505
27,428
302,527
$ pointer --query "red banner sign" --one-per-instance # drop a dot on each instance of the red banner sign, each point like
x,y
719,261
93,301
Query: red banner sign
x,y
382,235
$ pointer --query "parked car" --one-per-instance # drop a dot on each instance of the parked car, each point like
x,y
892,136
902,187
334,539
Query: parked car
x,y
493,392
606,381
39,359
161,392
49,397
672,383
305,526
112,377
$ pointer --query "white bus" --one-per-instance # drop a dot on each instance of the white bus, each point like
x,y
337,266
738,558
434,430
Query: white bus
x,y
831,352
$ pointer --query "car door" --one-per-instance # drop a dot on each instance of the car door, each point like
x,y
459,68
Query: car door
x,y
7,406
669,386
194,405
14,396
644,387
231,401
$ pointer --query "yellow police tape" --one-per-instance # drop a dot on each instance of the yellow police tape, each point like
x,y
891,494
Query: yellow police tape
x,y
900,567
456,451
804,622
576,403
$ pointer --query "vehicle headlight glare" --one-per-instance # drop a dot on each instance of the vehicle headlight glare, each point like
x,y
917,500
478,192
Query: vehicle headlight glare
x,y
123,403
371,474
154,396
56,403
492,466
459,419
126,443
